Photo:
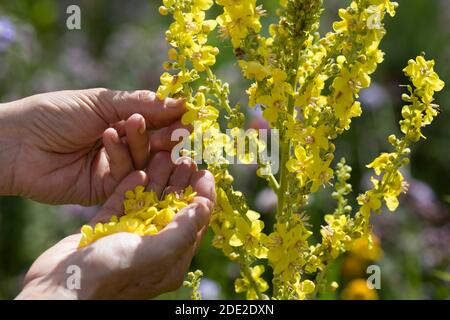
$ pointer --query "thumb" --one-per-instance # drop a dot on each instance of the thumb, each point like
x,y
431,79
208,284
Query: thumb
x,y
115,106
181,234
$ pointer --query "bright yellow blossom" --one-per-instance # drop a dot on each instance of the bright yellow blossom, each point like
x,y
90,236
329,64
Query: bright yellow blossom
x,y
144,215
248,235
245,285
199,111
172,84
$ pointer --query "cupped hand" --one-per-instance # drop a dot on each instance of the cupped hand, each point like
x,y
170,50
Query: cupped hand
x,y
124,265
76,146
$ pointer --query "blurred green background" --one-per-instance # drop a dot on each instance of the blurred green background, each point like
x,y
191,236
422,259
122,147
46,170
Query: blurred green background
x,y
121,45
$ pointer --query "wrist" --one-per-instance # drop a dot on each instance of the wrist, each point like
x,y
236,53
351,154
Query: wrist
x,y
46,291
10,146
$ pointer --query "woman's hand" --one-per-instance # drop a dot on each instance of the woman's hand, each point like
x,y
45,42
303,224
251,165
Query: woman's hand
x,y
124,265
68,146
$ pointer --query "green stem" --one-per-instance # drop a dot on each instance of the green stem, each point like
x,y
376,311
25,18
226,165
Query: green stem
x,y
286,146
273,183
319,281
248,274
396,161
224,103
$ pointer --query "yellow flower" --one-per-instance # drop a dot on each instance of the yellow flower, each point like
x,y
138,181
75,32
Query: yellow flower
x,y
315,138
222,223
335,234
202,5
199,111
320,172
380,163
204,58
387,5
347,19
143,215
424,77
243,284
172,84
254,70
285,247
369,201
248,234
239,19
299,164
304,288
359,290
393,188
368,250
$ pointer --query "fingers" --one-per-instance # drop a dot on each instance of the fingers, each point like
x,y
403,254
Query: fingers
x,y
138,140
181,234
159,171
203,183
132,132
114,204
120,162
115,106
161,140
181,175
185,232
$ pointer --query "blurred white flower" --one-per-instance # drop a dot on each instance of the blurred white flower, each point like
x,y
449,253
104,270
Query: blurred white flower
x,y
266,200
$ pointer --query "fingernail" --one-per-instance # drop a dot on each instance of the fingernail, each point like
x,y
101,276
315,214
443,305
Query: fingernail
x,y
174,103
116,139
142,126
199,215
192,214
114,136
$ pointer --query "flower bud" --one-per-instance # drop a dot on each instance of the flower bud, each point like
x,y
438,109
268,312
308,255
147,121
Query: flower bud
x,y
406,97
392,139
334,286
163,10
406,151
172,54
168,65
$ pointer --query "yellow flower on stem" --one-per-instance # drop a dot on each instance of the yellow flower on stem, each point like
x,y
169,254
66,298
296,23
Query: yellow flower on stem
x,y
204,58
299,164
239,19
249,234
244,285
199,111
424,77
254,70
172,84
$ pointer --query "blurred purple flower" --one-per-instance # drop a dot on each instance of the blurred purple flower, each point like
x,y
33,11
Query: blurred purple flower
x,y
435,248
375,96
424,201
7,33
266,200
209,289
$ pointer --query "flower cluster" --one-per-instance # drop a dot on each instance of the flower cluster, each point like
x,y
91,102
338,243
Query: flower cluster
x,y
193,282
307,86
389,182
144,215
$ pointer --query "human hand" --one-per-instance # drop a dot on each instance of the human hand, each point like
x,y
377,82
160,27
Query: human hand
x,y
66,146
125,265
